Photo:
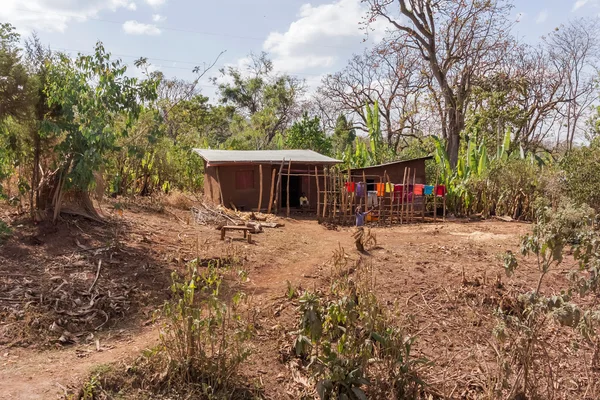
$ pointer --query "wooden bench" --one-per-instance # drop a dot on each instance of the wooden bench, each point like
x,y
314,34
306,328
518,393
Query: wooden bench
x,y
246,230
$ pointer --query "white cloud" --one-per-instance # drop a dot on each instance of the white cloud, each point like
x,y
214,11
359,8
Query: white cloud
x,y
579,3
541,17
156,3
158,18
138,28
132,6
54,15
321,36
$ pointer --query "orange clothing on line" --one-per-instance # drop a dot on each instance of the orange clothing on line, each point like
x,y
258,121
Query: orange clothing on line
x,y
380,187
419,190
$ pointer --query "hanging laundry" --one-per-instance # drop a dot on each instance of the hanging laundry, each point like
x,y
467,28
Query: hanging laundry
x,y
380,188
398,188
410,188
428,191
360,189
350,187
372,199
440,190
389,187
418,190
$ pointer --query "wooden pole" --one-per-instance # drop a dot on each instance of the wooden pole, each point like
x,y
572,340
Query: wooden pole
x,y
272,189
334,194
260,192
318,191
325,190
366,192
219,182
278,187
350,197
444,205
288,188
388,185
404,190
412,203
435,198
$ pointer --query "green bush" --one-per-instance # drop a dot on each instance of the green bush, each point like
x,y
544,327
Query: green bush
x,y
355,351
203,338
581,168
5,231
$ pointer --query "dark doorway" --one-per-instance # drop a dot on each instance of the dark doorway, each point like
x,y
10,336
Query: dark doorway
x,y
295,191
370,185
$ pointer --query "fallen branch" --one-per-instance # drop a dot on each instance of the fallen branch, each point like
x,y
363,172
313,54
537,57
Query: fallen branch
x,y
97,276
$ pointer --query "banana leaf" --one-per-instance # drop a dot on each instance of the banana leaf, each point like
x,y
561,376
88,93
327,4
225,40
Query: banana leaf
x,y
483,161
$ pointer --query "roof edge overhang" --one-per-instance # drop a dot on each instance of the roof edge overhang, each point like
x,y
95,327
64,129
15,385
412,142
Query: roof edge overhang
x,y
394,163
242,163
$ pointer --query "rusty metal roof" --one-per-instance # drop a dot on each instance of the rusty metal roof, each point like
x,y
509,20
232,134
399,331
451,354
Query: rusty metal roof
x,y
263,156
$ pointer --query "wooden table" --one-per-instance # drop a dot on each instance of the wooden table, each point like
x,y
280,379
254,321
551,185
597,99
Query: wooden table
x,y
247,234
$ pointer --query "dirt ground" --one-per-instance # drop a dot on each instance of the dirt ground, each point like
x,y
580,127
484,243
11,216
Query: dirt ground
x,y
442,278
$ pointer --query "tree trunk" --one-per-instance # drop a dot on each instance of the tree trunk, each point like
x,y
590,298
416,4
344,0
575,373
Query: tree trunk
x,y
35,175
455,127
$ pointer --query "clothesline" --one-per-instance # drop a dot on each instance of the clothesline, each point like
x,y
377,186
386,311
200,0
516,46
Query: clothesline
x,y
382,188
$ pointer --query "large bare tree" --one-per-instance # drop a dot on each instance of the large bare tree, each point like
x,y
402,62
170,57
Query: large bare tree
x,y
458,40
574,50
393,79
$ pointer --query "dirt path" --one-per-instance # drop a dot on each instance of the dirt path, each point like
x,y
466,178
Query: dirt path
x,y
29,375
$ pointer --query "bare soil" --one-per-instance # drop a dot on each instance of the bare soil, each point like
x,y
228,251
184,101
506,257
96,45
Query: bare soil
x,y
441,277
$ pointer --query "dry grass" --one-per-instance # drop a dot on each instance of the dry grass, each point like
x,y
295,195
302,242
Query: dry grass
x,y
179,200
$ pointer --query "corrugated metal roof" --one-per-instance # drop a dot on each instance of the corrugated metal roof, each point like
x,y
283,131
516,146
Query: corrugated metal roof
x,y
263,156
393,163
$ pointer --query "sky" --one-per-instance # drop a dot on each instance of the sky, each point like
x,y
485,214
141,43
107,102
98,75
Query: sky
x,y
307,39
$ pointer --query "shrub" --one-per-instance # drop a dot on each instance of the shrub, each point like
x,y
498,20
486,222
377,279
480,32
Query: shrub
x,y
203,338
582,174
5,231
353,348
525,367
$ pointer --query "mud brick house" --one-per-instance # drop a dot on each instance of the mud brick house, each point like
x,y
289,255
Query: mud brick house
x,y
249,179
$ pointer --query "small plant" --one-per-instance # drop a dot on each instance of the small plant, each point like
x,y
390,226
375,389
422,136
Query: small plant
x,y
5,231
347,338
204,338
525,365
290,292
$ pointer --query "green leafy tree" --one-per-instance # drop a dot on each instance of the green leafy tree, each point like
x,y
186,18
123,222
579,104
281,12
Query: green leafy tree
x,y
93,92
267,102
17,95
15,92
581,168
343,134
307,134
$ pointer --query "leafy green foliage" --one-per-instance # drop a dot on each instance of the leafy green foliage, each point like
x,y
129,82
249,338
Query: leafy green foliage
x,y
353,348
581,168
507,183
307,134
16,90
202,337
344,135
5,231
266,103
93,93
524,359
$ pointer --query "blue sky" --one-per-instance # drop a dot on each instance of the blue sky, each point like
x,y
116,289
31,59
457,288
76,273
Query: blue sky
x,y
304,38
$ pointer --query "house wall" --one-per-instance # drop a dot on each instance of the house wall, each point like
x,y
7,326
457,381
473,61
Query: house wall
x,y
394,171
248,198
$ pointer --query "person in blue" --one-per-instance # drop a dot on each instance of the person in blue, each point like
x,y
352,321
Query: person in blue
x,y
360,230
360,216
